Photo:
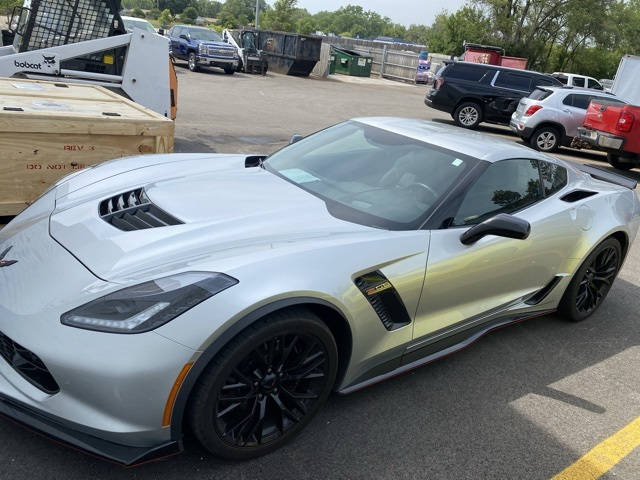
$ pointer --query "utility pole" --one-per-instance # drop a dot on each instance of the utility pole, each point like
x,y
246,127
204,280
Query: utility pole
x,y
257,11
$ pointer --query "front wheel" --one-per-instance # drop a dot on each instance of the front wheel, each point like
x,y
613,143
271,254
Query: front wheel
x,y
264,386
468,115
592,281
229,71
193,62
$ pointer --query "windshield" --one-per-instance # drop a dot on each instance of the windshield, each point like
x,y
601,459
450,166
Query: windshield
x,y
205,34
142,24
371,176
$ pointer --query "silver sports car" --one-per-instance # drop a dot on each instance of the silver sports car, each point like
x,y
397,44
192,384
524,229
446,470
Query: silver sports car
x,y
231,294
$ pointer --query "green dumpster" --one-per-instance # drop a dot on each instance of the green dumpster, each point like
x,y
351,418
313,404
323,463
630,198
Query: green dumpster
x,y
350,62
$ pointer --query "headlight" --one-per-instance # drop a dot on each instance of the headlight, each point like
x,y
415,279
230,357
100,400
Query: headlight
x,y
202,48
148,305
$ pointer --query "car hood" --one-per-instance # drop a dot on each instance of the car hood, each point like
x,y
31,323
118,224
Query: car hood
x,y
226,215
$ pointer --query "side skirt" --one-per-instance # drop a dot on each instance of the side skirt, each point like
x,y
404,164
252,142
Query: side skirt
x,y
440,349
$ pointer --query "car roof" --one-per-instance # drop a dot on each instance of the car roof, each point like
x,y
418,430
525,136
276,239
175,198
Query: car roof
x,y
470,143
492,67
574,88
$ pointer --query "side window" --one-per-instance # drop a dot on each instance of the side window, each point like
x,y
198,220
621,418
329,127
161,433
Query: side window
x,y
543,82
514,81
554,177
578,101
592,83
465,72
504,187
577,82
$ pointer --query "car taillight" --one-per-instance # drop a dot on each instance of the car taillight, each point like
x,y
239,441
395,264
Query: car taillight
x,y
625,121
439,82
532,109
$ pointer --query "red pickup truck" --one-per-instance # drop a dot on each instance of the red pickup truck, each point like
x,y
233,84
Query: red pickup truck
x,y
615,129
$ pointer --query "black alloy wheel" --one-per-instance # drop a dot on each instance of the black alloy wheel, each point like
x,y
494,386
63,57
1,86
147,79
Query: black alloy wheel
x,y
592,282
265,386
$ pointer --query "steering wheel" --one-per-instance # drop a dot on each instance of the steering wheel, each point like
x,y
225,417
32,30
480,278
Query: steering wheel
x,y
423,193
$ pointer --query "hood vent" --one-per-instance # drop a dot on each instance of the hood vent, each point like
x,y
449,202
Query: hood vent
x,y
133,210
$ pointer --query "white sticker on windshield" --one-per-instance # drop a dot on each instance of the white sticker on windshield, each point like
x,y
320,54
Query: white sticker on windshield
x,y
299,176
457,162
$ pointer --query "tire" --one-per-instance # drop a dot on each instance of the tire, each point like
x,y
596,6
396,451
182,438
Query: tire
x,y
468,115
193,62
592,281
229,71
614,161
546,139
264,386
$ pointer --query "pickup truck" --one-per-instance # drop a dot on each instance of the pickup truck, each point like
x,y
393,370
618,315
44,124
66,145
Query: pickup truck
x,y
202,47
615,129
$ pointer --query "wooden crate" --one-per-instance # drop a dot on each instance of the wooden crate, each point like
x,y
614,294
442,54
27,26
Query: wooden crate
x,y
48,130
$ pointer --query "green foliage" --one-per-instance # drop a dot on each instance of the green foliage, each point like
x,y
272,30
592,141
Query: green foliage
x,y
281,16
153,14
237,13
189,14
449,32
165,19
138,13
6,8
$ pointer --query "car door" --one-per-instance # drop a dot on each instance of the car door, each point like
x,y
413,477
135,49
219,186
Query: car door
x,y
465,285
573,110
509,88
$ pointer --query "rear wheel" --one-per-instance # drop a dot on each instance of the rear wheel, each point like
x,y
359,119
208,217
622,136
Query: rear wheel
x,y
264,386
546,139
615,162
193,62
591,283
468,115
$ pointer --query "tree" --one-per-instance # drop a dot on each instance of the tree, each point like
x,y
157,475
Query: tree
x,y
165,18
236,13
280,17
189,15
449,32
138,13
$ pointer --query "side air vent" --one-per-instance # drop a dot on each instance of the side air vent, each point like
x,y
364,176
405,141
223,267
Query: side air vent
x,y
28,365
541,294
384,299
577,195
133,210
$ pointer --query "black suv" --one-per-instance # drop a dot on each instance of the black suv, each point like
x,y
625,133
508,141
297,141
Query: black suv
x,y
474,92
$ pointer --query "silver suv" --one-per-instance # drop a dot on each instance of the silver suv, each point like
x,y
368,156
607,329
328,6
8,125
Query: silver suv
x,y
550,116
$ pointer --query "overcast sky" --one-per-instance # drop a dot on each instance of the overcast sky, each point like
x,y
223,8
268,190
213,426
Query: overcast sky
x,y
405,12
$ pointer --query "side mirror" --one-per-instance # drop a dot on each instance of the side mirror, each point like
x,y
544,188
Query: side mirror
x,y
161,31
296,138
502,225
184,36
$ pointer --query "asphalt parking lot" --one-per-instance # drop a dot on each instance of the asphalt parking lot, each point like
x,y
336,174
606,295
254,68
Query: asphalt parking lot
x,y
524,402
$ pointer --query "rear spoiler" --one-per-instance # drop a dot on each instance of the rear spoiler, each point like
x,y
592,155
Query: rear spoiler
x,y
605,175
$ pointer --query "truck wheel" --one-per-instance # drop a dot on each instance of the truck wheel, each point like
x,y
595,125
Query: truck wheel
x,y
546,139
614,161
193,62
229,71
468,115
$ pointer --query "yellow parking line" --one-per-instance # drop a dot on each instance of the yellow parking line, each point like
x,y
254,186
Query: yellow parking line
x,y
604,456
